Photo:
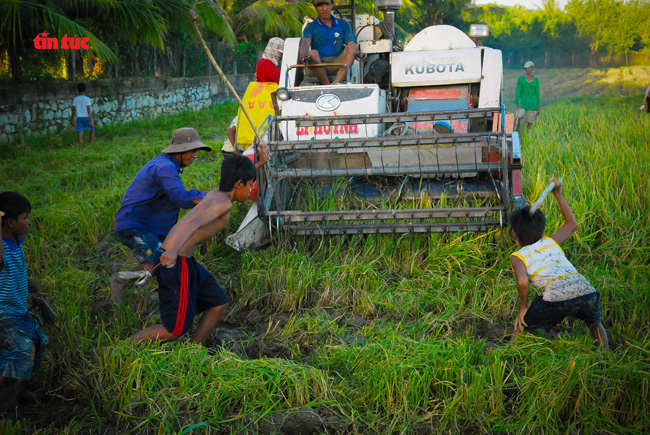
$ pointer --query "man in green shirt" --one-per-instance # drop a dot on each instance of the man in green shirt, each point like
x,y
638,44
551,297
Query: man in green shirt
x,y
527,97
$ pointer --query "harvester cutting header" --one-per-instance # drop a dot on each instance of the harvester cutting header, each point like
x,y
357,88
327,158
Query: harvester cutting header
x,y
413,140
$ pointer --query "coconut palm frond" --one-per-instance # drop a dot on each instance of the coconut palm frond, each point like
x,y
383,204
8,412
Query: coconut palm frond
x,y
293,18
62,26
253,18
24,20
21,22
138,21
214,17
211,16
267,18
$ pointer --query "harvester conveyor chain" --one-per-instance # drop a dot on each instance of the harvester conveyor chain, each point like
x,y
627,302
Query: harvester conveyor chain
x,y
397,171
391,228
380,142
308,121
360,215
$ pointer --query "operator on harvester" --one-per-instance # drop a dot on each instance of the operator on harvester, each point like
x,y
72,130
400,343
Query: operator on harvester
x,y
332,41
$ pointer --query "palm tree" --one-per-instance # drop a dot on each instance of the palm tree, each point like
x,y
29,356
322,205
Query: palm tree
x,y
25,19
211,16
126,20
264,19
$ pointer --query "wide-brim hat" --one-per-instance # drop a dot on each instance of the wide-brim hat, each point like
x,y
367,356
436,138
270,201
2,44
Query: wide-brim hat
x,y
529,64
315,2
185,139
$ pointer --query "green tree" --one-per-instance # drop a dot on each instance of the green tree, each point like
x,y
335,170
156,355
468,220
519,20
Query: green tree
x,y
264,19
515,31
432,12
130,21
622,37
610,25
23,20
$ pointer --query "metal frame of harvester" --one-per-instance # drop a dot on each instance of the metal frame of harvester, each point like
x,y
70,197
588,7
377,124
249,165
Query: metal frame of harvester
x,y
415,142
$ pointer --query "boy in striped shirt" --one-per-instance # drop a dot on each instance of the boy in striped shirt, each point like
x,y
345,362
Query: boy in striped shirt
x,y
22,342
541,260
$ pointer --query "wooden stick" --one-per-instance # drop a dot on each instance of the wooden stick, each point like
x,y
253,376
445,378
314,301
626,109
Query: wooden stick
x,y
542,197
223,76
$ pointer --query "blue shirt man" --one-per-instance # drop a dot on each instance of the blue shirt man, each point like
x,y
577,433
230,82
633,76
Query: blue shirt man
x,y
154,198
152,202
328,40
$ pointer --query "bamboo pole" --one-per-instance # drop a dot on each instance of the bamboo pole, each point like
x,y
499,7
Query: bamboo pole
x,y
223,76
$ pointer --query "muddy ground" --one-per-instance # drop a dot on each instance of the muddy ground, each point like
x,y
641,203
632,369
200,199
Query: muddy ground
x,y
250,334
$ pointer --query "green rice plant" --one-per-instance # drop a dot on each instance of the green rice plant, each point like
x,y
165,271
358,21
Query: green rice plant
x,y
388,333
137,389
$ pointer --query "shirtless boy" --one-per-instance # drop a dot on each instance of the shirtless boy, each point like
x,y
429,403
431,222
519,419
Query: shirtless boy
x,y
186,287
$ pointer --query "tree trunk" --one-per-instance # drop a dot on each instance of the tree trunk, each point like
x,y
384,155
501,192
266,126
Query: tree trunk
x,y
155,67
136,66
73,54
14,64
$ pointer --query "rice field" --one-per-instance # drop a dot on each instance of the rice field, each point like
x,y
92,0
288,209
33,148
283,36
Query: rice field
x,y
380,334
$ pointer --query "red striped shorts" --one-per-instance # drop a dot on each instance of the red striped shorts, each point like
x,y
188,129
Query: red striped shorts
x,y
186,290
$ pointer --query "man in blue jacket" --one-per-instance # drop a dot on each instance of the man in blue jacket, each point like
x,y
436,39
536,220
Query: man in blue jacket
x,y
152,202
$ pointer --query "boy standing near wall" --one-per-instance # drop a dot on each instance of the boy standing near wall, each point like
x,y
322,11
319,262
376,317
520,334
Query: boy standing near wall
x,y
565,292
22,342
82,115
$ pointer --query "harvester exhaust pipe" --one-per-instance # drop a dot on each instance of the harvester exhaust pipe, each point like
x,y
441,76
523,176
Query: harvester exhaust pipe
x,y
389,23
388,7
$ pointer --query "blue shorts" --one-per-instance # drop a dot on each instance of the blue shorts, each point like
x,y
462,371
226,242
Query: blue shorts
x,y
543,315
184,291
146,246
83,123
22,344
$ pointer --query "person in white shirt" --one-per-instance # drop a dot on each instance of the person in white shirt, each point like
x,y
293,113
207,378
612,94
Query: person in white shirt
x,y
565,292
82,114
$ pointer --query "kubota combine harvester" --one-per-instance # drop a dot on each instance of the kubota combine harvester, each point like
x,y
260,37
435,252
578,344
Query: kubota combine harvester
x,y
415,141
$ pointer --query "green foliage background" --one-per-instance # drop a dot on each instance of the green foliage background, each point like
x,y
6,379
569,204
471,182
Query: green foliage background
x,y
133,39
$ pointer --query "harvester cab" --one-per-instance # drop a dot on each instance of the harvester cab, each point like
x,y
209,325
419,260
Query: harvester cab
x,y
416,140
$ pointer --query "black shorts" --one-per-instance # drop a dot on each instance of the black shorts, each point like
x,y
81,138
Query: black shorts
x,y
543,315
184,291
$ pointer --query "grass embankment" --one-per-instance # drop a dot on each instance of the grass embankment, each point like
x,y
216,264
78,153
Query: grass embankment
x,y
374,334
